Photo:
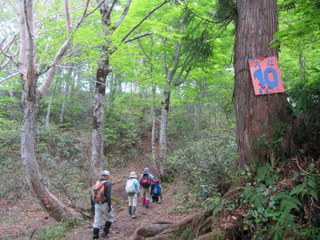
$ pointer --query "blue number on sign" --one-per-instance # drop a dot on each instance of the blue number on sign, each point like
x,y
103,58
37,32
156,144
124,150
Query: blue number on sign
x,y
258,75
273,83
264,79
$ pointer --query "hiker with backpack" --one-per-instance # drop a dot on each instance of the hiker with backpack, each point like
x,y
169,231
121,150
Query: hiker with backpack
x,y
156,191
101,205
132,189
146,181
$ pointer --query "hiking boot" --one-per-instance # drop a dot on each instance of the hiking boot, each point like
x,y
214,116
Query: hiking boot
x,y
130,210
106,229
105,235
95,233
133,212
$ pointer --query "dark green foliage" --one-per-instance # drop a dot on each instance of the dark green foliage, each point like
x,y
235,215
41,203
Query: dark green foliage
x,y
287,5
63,166
122,126
225,10
280,209
207,162
199,47
12,187
305,99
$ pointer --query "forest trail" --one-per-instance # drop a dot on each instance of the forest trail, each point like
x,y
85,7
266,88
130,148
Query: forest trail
x,y
24,219
125,226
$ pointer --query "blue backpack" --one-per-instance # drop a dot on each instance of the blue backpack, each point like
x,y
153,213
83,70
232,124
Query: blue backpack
x,y
157,188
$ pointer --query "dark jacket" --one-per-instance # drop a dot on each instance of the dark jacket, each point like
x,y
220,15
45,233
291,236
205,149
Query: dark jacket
x,y
107,193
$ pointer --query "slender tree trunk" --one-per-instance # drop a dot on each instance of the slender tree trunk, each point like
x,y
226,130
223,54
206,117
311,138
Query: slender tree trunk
x,y
63,106
67,94
154,130
97,156
196,119
163,132
256,24
49,106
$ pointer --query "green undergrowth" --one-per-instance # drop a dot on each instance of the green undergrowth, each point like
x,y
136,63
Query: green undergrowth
x,y
56,231
282,208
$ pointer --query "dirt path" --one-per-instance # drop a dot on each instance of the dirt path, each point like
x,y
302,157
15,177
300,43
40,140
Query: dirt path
x,y
23,219
124,226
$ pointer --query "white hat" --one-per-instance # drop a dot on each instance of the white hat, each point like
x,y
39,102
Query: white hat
x,y
133,175
105,173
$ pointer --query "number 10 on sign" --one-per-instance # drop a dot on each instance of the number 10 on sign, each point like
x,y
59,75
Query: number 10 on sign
x,y
265,75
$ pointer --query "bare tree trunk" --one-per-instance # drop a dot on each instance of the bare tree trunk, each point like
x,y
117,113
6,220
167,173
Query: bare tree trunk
x,y
49,106
30,102
163,132
98,119
67,94
256,24
196,119
154,130
55,208
106,8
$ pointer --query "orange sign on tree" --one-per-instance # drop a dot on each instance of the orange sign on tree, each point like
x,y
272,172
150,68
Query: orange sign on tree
x,y
265,75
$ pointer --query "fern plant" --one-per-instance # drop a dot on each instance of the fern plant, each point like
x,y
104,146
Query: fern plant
x,y
276,211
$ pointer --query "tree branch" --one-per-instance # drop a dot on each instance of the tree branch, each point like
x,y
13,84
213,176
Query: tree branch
x,y
137,37
142,20
111,9
45,85
123,15
5,49
11,76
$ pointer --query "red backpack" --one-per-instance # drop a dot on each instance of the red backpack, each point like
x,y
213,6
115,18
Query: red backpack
x,y
145,181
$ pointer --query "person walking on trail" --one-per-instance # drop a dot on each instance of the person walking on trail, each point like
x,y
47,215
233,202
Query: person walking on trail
x,y
145,181
101,205
132,189
156,191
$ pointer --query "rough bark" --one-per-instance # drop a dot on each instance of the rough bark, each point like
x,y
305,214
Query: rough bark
x,y
256,24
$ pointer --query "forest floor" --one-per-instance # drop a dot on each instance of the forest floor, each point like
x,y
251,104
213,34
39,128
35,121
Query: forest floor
x,y
25,218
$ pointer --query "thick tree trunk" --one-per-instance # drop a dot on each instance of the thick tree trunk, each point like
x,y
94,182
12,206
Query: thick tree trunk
x,y
30,102
256,116
55,208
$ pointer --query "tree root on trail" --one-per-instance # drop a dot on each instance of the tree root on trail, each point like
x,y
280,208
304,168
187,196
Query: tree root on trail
x,y
198,226
161,230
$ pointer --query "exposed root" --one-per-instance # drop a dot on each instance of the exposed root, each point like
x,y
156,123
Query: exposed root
x,y
198,226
